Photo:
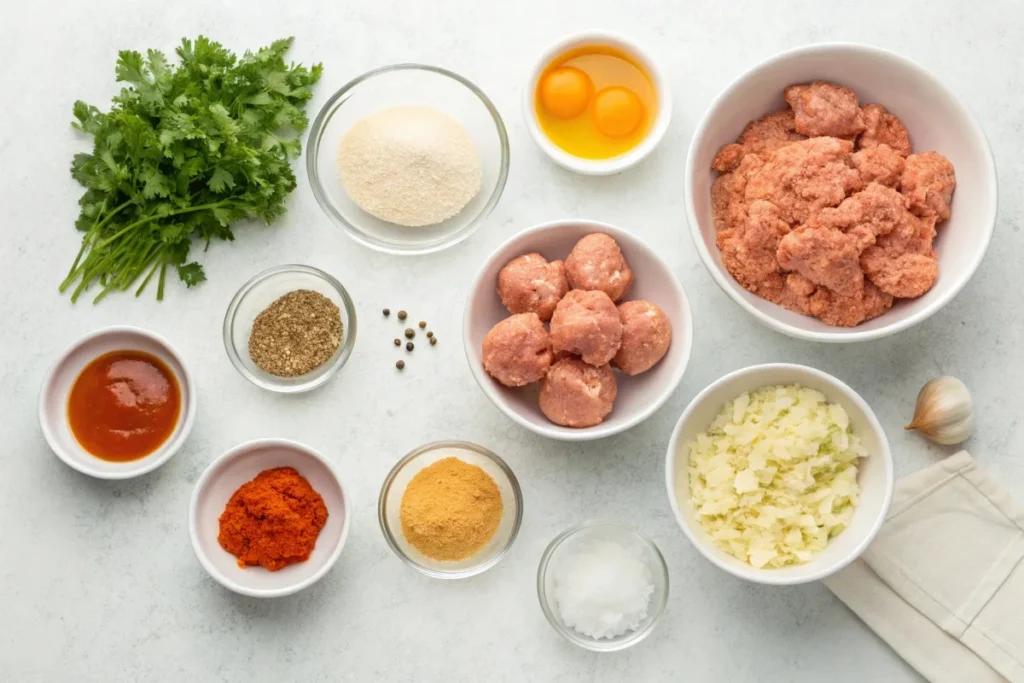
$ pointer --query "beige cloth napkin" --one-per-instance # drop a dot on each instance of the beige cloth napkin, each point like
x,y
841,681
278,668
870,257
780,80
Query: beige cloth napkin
x,y
943,583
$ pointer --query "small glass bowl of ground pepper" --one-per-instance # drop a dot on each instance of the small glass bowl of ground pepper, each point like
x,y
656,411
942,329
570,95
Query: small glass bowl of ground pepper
x,y
268,344
476,519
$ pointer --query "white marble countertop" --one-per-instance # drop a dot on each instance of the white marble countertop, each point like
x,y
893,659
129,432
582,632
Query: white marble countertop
x,y
97,579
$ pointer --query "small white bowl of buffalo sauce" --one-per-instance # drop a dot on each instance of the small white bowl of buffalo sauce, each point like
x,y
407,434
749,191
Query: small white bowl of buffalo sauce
x,y
118,403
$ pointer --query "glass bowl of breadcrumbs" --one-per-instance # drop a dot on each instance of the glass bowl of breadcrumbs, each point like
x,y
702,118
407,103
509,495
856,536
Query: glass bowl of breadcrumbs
x,y
270,347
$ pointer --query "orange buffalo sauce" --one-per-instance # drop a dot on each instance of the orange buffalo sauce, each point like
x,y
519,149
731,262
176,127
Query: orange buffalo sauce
x,y
124,405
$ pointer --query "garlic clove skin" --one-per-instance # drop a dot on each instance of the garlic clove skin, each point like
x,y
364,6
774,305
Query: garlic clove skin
x,y
944,412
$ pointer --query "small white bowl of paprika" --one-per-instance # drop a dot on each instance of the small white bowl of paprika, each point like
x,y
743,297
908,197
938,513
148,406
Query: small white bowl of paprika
x,y
240,467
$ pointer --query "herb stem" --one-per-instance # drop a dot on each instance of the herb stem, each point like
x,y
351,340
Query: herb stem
x,y
147,219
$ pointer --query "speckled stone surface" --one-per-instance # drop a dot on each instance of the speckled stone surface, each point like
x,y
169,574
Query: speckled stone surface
x,y
98,581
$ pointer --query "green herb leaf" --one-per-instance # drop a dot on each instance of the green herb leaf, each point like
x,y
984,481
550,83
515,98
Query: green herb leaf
x,y
184,153
191,274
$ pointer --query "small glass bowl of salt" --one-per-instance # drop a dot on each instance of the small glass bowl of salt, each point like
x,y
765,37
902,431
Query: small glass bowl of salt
x,y
603,585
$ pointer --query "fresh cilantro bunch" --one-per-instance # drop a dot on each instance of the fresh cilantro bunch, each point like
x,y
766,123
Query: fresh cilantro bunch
x,y
184,153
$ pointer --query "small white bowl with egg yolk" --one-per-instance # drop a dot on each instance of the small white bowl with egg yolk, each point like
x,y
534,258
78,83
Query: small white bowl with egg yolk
x,y
655,122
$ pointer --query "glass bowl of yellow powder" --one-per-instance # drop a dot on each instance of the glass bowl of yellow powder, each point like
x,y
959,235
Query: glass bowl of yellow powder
x,y
450,509
408,158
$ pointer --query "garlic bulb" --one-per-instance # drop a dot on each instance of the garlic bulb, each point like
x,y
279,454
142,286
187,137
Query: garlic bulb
x,y
944,411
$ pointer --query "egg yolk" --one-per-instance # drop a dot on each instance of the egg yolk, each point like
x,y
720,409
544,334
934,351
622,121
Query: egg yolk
x,y
617,111
565,92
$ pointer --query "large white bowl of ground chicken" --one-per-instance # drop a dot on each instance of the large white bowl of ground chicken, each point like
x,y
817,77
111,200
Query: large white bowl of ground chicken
x,y
738,233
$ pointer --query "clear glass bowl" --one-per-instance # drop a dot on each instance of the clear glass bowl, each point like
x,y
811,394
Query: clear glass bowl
x,y
389,508
261,291
391,86
626,536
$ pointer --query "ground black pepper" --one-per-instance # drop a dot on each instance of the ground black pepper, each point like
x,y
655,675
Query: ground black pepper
x,y
296,334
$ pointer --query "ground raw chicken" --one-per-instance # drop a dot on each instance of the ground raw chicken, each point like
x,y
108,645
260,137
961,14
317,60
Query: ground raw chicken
x,y
879,164
646,336
760,138
825,109
577,394
805,221
586,323
804,177
530,284
882,128
748,251
596,263
517,351
927,182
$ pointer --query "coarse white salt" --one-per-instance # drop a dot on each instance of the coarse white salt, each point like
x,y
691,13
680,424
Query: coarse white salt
x,y
602,588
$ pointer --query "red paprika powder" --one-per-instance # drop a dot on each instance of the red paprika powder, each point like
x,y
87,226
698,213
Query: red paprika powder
x,y
273,520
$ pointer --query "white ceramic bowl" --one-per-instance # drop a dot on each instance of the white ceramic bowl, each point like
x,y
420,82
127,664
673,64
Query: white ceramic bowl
x,y
638,397
875,474
241,464
53,400
598,166
936,120
392,86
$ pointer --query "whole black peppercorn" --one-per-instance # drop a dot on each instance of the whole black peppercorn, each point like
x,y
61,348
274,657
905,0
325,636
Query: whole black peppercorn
x,y
433,340
429,334
409,333
402,315
423,323
409,346
387,312
400,364
398,342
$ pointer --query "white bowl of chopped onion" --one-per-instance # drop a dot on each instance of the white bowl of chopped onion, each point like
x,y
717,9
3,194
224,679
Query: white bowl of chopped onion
x,y
779,474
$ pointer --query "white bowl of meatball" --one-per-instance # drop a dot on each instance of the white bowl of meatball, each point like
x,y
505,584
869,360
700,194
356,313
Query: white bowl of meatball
x,y
840,193
577,330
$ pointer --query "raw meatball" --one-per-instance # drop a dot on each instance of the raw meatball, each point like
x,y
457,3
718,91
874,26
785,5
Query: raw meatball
x,y
587,323
575,394
517,350
825,109
882,128
927,183
529,284
596,262
804,177
646,335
